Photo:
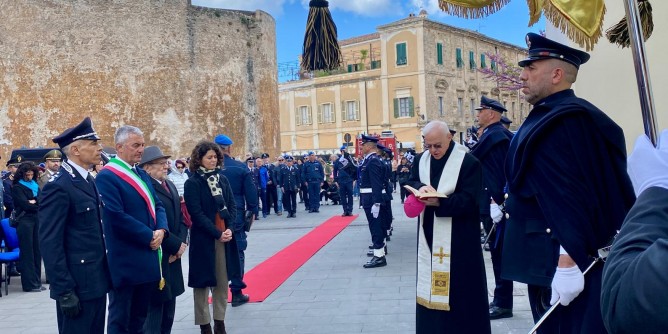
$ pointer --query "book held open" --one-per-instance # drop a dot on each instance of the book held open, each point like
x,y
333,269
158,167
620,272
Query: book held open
x,y
424,195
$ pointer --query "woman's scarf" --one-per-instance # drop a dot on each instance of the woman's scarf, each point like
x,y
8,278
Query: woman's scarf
x,y
32,185
212,177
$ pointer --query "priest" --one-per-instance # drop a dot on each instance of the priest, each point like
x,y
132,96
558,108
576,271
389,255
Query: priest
x,y
451,283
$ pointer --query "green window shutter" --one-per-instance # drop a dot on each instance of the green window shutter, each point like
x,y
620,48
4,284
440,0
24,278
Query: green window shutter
x,y
350,68
401,54
396,108
439,53
493,65
411,111
471,60
482,61
460,61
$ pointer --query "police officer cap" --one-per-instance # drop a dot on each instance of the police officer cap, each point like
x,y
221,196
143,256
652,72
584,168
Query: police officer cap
x,y
505,120
369,139
53,155
13,161
83,130
289,158
452,132
311,153
264,155
543,48
487,103
380,147
223,140
251,159
344,147
388,151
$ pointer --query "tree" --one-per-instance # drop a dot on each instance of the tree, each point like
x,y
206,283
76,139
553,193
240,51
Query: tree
x,y
505,74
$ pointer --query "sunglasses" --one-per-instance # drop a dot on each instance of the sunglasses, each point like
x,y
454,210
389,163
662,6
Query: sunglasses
x,y
434,146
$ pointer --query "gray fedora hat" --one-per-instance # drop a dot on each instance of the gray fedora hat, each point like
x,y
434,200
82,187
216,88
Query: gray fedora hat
x,y
152,153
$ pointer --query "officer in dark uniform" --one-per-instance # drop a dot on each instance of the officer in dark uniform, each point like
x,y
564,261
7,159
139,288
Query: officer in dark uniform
x,y
505,121
345,172
255,177
312,176
371,198
71,237
290,181
272,195
569,191
491,150
245,198
385,154
303,188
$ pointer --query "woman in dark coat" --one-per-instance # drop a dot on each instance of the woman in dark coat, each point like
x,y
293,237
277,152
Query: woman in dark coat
x,y
403,174
24,193
209,198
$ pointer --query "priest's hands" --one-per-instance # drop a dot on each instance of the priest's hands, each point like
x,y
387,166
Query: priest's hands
x,y
566,285
433,201
647,164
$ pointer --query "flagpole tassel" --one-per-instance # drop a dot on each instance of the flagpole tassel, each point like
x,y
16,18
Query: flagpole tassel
x,y
562,21
321,49
619,33
471,9
535,11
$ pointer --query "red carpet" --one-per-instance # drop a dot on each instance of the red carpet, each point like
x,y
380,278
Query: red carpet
x,y
270,274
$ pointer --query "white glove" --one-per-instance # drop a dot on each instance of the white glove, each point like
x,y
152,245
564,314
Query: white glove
x,y
495,212
647,165
375,209
566,285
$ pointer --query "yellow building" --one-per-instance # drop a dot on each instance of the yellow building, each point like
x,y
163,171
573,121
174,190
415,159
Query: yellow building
x,y
407,73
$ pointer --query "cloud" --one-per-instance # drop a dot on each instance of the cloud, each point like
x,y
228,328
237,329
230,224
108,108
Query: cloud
x,y
365,7
431,6
273,7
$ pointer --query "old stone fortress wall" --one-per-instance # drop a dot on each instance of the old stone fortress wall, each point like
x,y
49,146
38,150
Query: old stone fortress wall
x,y
179,72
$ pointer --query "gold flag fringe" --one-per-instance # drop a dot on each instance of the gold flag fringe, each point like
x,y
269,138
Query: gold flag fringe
x,y
561,21
321,49
469,10
535,10
619,33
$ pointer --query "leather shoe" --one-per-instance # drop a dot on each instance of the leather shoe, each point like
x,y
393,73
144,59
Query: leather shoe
x,y
376,262
496,312
239,299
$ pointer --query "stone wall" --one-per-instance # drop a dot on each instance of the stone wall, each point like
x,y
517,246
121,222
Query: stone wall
x,y
179,72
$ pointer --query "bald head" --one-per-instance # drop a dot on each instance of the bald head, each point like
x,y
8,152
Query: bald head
x,y
436,126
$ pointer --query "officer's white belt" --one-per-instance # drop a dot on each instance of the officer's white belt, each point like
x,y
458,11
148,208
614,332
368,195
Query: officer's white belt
x,y
368,191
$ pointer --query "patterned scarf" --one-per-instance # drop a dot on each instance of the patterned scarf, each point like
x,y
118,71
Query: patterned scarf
x,y
212,178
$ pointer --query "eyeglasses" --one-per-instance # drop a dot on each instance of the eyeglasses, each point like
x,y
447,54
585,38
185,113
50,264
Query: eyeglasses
x,y
434,146
180,167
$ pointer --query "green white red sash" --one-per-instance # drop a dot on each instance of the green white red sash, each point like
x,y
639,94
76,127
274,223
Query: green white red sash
x,y
433,278
126,174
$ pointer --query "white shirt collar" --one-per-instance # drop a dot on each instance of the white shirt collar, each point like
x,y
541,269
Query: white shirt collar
x,y
123,161
81,170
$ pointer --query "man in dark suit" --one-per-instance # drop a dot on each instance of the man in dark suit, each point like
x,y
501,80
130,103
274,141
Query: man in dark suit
x,y
161,309
371,198
70,235
135,225
345,172
245,198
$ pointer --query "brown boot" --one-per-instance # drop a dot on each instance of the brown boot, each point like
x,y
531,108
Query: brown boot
x,y
219,327
205,329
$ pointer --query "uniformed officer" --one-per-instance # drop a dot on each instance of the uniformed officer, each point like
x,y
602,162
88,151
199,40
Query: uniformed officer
x,y
52,160
505,121
313,176
491,150
255,176
345,173
245,198
386,207
272,194
71,237
371,198
290,181
569,191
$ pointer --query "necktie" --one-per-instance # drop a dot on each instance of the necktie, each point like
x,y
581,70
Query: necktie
x,y
134,169
164,185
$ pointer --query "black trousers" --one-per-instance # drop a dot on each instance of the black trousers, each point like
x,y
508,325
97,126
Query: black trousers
x,y
272,198
128,307
503,290
376,229
89,320
303,189
290,201
346,192
160,317
30,258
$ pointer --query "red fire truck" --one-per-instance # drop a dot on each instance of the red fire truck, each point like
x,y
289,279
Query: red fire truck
x,y
386,138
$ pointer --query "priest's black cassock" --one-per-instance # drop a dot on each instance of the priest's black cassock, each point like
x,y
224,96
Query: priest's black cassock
x,y
468,285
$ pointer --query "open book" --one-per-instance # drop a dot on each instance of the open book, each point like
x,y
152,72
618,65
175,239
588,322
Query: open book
x,y
425,195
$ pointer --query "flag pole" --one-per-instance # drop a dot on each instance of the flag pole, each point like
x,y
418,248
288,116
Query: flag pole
x,y
641,70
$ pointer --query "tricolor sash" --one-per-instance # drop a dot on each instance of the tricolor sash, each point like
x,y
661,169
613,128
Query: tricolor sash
x,y
433,278
126,174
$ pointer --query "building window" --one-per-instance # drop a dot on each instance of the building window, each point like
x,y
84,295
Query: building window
x,y
303,116
440,106
349,112
472,109
513,104
401,54
403,107
460,106
493,65
460,61
471,60
439,53
482,61
375,64
326,114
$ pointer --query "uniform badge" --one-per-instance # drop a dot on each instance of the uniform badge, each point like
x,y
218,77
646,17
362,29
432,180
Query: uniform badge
x,y
68,168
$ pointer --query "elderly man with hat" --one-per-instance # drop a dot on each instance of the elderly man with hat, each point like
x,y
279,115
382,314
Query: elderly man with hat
x,y
568,191
345,173
71,236
162,306
491,150
372,173
52,160
313,175
246,200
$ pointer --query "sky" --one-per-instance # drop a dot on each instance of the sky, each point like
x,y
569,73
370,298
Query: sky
x,y
360,17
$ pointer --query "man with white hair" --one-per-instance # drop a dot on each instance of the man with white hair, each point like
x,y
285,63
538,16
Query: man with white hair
x,y
451,287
